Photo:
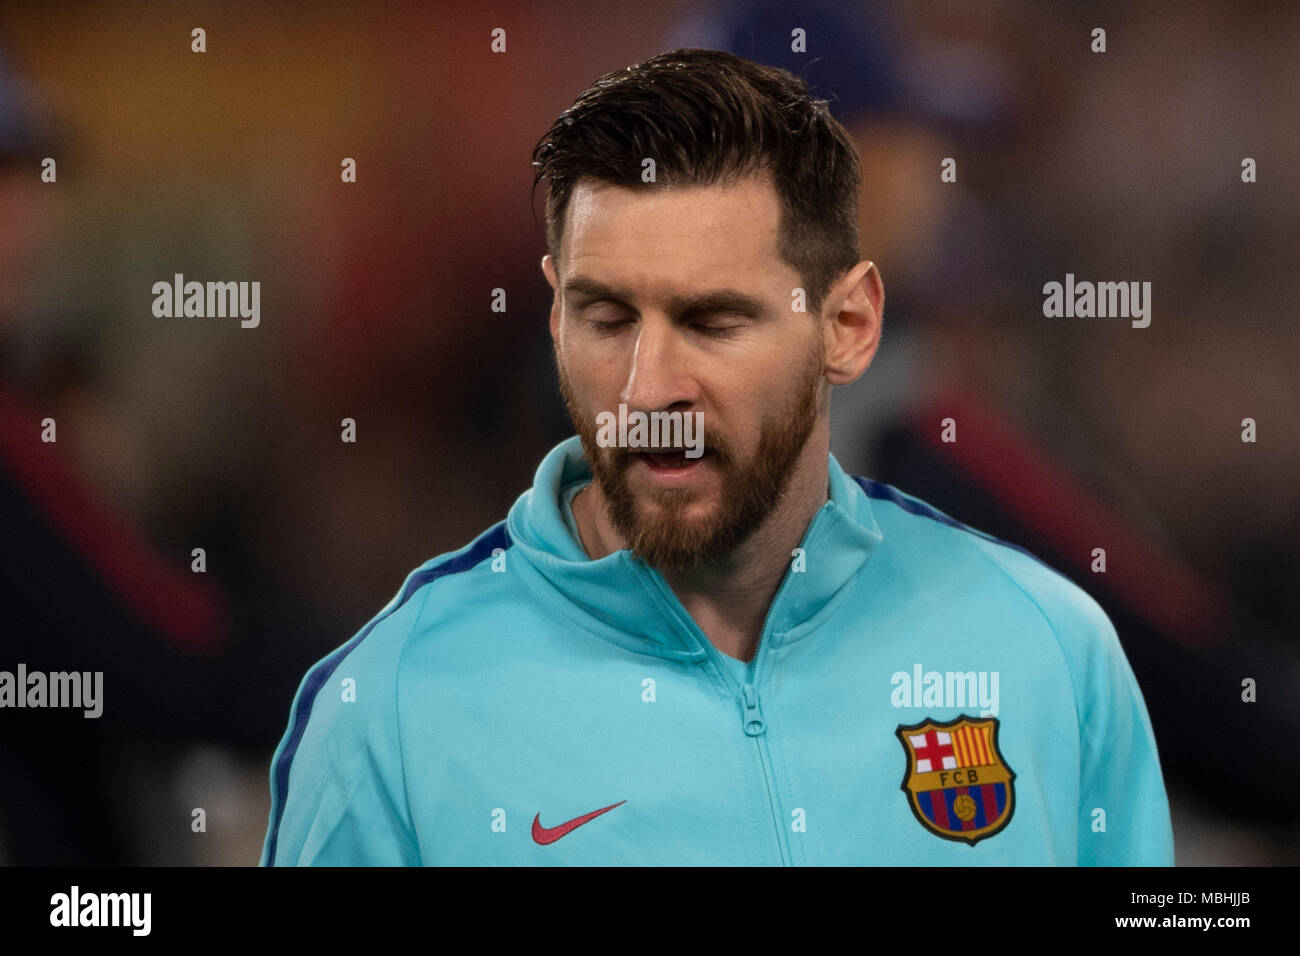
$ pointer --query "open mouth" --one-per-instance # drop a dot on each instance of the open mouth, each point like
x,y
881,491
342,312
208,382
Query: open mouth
x,y
670,459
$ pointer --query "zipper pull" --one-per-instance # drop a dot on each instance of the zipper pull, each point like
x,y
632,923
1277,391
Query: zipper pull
x,y
754,724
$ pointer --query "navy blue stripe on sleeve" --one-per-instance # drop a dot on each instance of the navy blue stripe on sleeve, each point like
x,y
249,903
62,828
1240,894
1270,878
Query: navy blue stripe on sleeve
x,y
883,492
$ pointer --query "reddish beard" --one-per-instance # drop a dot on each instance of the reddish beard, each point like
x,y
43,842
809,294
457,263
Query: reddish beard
x,y
659,533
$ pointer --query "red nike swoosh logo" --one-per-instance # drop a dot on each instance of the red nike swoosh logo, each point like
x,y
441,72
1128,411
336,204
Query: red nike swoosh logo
x,y
545,835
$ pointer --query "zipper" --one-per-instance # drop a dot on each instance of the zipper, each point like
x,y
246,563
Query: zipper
x,y
752,722
756,728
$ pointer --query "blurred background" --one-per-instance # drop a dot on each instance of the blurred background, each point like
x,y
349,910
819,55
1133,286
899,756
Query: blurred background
x,y
376,305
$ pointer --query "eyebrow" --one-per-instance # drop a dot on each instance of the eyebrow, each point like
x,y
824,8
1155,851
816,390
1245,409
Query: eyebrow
x,y
715,300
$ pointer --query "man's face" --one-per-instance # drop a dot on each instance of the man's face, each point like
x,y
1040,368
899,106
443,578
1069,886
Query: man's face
x,y
632,325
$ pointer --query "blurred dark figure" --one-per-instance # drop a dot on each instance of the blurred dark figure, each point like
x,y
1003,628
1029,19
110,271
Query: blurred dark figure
x,y
83,590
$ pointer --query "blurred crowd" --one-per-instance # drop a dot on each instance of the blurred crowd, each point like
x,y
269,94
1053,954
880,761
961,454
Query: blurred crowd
x,y
377,306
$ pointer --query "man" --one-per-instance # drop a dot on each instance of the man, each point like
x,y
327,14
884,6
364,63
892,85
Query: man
x,y
737,657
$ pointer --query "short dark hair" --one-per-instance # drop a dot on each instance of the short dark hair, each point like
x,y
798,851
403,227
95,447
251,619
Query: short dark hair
x,y
706,116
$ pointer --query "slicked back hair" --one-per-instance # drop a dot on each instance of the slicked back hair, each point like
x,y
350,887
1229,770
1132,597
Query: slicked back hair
x,y
707,117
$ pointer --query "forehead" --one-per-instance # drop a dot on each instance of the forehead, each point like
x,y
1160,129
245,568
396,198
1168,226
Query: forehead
x,y
687,232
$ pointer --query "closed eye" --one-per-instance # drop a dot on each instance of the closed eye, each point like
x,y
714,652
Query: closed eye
x,y
714,331
607,328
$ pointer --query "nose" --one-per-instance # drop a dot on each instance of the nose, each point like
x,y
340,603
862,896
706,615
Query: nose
x,y
659,375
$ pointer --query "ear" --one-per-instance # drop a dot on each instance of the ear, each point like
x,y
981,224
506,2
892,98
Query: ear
x,y
548,270
856,309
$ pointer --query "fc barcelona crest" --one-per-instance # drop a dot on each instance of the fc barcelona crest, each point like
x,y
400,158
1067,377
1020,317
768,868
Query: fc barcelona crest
x,y
957,782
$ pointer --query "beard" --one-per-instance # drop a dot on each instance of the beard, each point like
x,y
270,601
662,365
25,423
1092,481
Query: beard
x,y
655,524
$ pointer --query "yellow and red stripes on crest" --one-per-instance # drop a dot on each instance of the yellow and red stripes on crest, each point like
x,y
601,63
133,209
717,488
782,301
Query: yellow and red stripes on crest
x,y
973,746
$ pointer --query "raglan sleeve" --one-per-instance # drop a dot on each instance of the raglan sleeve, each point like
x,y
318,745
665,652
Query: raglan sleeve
x,y
338,794
1123,808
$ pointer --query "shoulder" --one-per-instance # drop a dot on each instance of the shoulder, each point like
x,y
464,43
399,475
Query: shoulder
x,y
348,698
376,649
343,739
919,533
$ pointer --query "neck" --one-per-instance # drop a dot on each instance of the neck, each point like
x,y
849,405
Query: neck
x,y
729,598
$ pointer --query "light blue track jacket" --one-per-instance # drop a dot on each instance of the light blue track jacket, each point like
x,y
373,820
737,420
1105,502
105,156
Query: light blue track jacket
x,y
922,694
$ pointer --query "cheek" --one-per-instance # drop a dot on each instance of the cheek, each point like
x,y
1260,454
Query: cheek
x,y
587,386
593,374
764,405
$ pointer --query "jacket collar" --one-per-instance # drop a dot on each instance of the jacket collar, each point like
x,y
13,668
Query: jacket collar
x,y
630,603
